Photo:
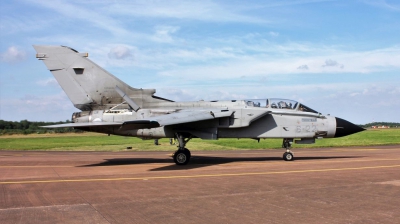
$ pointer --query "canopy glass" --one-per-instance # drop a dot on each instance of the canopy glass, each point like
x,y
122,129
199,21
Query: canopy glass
x,y
276,103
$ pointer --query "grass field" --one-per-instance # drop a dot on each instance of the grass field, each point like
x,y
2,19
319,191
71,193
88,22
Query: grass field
x,y
102,142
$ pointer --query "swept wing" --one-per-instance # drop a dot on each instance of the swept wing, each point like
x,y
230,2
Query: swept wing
x,y
180,117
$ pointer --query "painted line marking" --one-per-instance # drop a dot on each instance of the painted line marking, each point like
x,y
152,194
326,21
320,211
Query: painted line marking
x,y
308,161
44,207
198,176
34,166
11,155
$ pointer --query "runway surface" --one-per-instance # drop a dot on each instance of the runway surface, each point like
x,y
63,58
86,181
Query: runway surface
x,y
337,185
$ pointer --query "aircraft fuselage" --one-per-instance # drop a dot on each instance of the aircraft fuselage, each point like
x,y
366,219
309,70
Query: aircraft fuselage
x,y
277,123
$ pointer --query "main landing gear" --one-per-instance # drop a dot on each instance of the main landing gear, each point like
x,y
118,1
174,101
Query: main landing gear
x,y
288,155
182,155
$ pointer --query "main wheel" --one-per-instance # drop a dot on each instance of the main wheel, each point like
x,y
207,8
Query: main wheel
x,y
188,152
288,156
182,157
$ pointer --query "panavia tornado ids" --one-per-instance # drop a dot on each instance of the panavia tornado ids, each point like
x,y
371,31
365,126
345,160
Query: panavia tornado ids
x,y
108,105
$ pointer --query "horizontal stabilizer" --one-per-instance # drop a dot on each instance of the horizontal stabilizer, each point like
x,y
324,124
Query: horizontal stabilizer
x,y
86,124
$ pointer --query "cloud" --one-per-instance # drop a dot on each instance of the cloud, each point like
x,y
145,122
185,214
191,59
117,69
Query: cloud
x,y
355,102
163,33
48,82
207,11
177,94
13,55
383,4
303,67
236,58
37,108
332,63
273,34
120,52
361,103
24,23
98,18
46,103
209,49
197,94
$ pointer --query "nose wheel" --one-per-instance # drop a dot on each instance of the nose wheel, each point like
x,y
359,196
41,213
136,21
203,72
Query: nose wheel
x,y
288,156
287,144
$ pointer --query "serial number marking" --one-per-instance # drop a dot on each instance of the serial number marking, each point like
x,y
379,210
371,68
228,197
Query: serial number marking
x,y
307,128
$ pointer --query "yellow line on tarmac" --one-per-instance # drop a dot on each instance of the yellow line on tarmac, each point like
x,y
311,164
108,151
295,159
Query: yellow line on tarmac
x,y
353,150
48,166
11,155
309,162
197,176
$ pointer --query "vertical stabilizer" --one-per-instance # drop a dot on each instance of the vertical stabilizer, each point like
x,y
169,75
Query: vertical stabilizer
x,y
86,84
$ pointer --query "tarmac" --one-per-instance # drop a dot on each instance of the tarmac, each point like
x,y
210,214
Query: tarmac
x,y
335,185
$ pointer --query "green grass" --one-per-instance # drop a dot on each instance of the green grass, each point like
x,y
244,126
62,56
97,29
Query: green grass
x,y
365,138
101,142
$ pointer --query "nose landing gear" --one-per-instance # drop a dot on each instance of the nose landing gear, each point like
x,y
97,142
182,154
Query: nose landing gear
x,y
287,144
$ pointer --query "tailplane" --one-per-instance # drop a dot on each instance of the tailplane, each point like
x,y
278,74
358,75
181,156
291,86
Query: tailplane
x,y
88,86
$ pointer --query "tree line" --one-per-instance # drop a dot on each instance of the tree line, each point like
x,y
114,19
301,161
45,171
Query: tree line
x,y
389,124
29,127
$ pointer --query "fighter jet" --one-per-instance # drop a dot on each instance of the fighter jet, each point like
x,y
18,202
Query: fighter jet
x,y
108,105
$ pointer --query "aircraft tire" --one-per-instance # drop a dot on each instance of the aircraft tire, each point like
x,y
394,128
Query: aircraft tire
x,y
187,151
288,156
182,157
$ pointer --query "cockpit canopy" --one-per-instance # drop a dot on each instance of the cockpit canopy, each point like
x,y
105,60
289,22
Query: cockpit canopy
x,y
276,103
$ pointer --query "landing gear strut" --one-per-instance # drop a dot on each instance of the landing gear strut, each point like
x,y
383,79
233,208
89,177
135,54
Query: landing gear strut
x,y
288,155
182,155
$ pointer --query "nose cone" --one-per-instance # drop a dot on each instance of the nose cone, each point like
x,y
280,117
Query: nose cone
x,y
344,128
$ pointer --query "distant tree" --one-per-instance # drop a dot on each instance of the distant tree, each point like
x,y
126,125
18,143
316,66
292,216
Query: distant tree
x,y
28,127
24,124
389,124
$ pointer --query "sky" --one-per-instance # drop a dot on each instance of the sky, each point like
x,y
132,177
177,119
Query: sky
x,y
337,57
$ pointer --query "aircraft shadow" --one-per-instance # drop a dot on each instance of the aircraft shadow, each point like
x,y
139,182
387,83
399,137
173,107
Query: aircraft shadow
x,y
203,161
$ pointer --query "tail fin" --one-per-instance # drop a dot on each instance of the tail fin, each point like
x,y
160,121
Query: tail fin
x,y
87,85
